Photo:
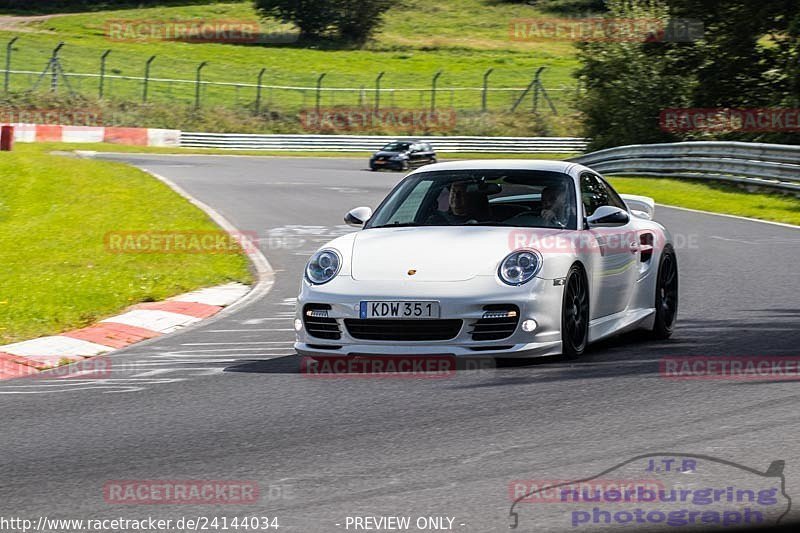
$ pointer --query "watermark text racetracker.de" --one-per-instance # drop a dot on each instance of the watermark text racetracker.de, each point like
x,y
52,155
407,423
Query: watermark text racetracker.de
x,y
754,368
602,241
192,492
398,366
247,31
564,491
605,29
676,120
147,524
179,242
53,116
341,119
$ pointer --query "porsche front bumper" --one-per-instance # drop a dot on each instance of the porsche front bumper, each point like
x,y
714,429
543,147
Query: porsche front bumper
x,y
539,300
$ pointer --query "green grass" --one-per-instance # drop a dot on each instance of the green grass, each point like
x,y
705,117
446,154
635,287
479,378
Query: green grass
x,y
57,273
714,197
464,38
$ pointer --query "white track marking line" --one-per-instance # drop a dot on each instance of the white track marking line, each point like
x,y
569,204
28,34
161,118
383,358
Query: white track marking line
x,y
782,224
733,240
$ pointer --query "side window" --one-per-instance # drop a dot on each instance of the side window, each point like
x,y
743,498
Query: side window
x,y
613,197
596,193
593,194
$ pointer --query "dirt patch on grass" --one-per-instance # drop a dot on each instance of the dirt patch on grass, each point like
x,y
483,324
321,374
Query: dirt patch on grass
x,y
22,23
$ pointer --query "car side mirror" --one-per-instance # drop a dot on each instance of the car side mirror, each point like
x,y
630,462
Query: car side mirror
x,y
358,217
608,215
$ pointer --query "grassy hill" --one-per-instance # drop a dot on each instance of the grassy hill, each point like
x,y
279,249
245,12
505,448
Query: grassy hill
x,y
463,38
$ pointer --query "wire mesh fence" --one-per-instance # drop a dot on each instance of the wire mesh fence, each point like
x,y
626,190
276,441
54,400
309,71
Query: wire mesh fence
x,y
122,76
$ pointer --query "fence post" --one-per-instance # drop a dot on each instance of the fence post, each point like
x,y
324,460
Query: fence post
x,y
103,71
540,87
433,90
531,86
319,91
8,60
197,86
258,91
147,78
55,65
378,91
485,88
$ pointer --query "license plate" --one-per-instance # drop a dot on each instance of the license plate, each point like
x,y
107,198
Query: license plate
x,y
397,309
379,162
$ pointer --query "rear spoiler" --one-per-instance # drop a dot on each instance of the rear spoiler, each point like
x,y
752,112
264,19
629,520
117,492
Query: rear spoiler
x,y
640,206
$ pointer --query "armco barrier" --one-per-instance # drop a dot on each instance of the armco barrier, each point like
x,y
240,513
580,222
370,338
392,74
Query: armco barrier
x,y
766,165
27,133
368,143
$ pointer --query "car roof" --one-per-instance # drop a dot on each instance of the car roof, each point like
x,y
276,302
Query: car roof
x,y
501,164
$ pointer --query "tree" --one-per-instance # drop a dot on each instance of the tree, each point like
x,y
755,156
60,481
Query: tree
x,y
350,20
748,57
628,83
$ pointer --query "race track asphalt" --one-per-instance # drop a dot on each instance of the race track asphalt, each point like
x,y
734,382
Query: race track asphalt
x,y
225,401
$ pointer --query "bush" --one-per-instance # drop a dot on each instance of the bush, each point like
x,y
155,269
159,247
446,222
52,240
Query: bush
x,y
628,84
349,20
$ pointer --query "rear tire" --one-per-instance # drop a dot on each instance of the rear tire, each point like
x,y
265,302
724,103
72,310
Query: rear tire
x,y
575,314
666,300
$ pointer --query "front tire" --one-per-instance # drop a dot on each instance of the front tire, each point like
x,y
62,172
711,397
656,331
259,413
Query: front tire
x,y
666,300
575,314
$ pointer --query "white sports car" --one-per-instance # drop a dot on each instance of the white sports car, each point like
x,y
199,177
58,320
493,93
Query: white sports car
x,y
490,258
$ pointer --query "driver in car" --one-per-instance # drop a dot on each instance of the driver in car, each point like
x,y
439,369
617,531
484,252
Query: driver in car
x,y
460,210
555,211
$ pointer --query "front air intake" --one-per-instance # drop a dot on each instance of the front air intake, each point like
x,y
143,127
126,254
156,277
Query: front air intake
x,y
318,324
499,321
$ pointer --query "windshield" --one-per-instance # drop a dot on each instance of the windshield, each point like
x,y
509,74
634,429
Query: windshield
x,y
396,147
524,198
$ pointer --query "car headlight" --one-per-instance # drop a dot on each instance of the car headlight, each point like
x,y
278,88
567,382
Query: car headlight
x,y
323,266
520,267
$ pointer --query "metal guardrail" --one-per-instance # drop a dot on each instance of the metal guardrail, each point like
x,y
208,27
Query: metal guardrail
x,y
370,143
766,165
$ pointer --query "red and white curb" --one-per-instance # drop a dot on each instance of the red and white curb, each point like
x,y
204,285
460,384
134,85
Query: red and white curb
x,y
140,322
29,133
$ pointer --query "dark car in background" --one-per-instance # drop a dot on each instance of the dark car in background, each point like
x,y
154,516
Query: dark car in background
x,y
402,155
